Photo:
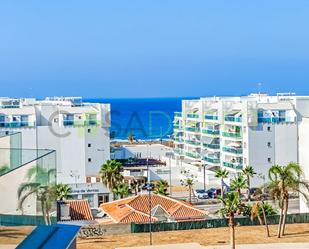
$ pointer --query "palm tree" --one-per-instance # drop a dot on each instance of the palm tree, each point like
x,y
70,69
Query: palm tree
x,y
248,172
131,137
188,183
161,187
110,173
135,186
231,206
283,179
222,174
62,191
238,183
121,190
4,169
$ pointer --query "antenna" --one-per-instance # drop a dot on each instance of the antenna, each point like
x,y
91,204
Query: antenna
x,y
259,85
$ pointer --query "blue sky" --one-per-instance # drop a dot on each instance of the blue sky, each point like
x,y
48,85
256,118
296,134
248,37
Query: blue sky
x,y
153,48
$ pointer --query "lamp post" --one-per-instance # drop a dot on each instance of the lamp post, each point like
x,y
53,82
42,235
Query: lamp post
x,y
149,195
169,154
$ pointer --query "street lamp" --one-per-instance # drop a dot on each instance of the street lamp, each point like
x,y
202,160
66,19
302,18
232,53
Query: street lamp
x,y
149,195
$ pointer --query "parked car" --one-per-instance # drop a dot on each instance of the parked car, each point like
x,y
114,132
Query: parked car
x,y
148,186
213,193
201,194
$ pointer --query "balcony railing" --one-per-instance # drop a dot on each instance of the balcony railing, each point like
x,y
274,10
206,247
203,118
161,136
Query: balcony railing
x,y
79,123
212,160
177,114
232,150
272,120
231,134
193,142
178,139
178,151
232,119
193,129
192,115
211,132
211,117
212,146
193,155
233,165
16,124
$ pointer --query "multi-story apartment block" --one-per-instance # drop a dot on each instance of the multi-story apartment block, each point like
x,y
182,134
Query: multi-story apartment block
x,y
232,132
77,131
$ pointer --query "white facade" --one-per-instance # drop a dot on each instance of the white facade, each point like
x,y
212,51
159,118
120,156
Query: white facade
x,y
232,132
77,131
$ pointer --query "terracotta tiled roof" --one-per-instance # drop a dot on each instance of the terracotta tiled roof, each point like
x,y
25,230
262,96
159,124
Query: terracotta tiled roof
x,y
136,209
79,210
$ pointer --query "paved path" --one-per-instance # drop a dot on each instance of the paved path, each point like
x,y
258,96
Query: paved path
x,y
249,246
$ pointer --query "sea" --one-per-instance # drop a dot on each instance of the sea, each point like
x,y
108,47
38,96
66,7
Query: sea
x,y
144,118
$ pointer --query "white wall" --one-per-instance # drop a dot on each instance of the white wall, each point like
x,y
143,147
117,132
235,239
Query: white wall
x,y
304,156
9,184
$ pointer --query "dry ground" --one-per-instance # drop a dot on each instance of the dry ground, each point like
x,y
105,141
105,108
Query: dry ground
x,y
216,236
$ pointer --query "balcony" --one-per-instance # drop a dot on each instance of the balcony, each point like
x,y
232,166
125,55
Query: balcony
x,y
17,124
232,150
212,160
192,115
193,129
193,155
211,117
211,132
212,146
231,165
192,142
177,114
231,134
233,119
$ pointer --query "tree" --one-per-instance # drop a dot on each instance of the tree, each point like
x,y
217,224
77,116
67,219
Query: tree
x,y
161,187
135,186
110,173
248,172
231,207
222,174
62,191
131,137
238,183
38,184
188,182
284,179
121,190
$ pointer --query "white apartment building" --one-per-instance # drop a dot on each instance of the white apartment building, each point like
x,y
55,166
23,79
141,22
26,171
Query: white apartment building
x,y
77,131
232,132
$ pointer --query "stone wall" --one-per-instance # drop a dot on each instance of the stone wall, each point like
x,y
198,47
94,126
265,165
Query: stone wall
x,y
96,231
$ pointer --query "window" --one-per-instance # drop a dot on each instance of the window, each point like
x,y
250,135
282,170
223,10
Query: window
x,y
269,159
89,145
268,128
269,144
89,159
98,179
88,179
89,130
